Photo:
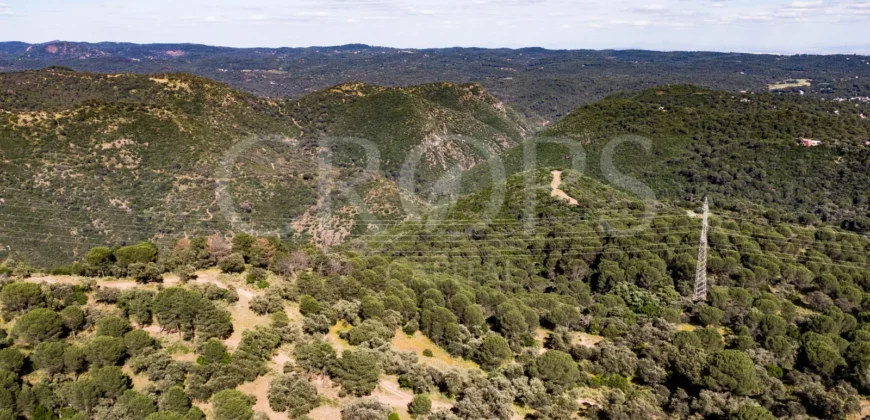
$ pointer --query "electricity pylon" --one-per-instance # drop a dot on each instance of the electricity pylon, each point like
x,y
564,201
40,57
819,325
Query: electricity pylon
x,y
701,274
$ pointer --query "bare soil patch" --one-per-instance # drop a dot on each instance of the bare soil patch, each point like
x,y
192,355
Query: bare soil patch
x,y
419,342
556,192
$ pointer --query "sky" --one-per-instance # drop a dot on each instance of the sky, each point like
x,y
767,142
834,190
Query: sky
x,y
777,26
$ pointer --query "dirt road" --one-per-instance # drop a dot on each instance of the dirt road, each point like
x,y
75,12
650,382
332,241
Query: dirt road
x,y
555,184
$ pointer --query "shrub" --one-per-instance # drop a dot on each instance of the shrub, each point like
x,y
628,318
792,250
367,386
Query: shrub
x,y
420,405
233,263
143,253
39,325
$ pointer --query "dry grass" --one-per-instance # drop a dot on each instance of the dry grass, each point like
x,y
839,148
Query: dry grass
x,y
419,342
790,84
686,327
588,340
389,393
335,340
521,412
260,390
864,411
541,336
140,380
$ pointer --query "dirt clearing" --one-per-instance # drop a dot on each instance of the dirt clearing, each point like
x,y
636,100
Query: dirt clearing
x,y
557,181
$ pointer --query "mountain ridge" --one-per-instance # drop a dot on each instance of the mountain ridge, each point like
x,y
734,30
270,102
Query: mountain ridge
x,y
129,157
537,81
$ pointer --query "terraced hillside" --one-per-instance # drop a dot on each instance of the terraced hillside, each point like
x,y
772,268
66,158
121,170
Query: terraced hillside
x,y
91,158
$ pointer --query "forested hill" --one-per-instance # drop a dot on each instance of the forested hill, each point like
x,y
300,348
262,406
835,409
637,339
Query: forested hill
x,y
549,83
90,158
743,150
553,309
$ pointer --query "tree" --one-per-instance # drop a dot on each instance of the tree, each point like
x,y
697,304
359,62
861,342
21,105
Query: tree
x,y
242,243
308,305
296,262
100,258
176,308
370,329
82,394
174,399
49,357
420,405
293,394
39,325
213,322
8,388
74,360
213,351
492,352
733,371
483,399
73,318
20,297
262,305
231,404
710,316
365,410
166,415
112,326
145,272
233,263
261,252
144,252
185,273
217,247
137,304
750,411
138,340
11,359
105,351
111,381
359,372
371,307
821,354
316,356
556,369
136,406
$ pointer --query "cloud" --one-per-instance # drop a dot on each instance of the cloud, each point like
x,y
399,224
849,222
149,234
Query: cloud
x,y
807,4
657,24
758,17
655,9
6,10
205,19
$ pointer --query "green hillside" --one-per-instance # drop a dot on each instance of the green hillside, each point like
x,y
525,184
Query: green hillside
x,y
548,310
91,159
740,149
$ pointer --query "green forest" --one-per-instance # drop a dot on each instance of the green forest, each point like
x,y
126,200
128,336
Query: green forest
x,y
586,312
130,289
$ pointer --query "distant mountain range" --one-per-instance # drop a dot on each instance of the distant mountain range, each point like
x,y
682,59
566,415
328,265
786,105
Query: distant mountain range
x,y
546,83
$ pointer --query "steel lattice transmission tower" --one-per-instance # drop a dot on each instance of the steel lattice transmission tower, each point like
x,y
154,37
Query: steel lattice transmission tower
x,y
701,273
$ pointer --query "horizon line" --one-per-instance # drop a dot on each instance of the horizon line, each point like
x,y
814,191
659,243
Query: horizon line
x,y
370,46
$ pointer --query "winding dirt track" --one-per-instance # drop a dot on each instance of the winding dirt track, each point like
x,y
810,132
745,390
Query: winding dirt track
x,y
557,181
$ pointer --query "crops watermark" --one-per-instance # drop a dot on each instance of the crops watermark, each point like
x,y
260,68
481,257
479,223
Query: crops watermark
x,y
358,192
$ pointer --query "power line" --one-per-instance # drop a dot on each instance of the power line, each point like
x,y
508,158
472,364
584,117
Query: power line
x,y
700,293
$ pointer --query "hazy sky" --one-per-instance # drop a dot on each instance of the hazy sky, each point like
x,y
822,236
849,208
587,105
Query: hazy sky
x,y
722,25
